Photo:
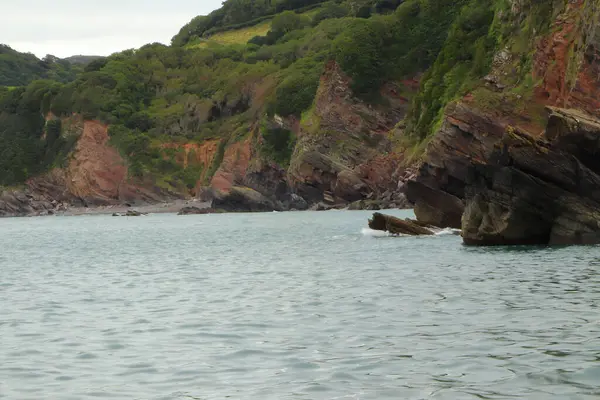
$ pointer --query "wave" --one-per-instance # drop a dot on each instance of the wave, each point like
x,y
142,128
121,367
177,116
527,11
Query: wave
x,y
441,232
372,233
447,232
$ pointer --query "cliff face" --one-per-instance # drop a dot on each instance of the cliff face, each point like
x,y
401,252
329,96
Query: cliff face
x,y
538,191
343,153
567,61
508,176
95,174
344,148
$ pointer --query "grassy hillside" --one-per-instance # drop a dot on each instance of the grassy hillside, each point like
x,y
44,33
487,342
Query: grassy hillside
x,y
234,36
230,72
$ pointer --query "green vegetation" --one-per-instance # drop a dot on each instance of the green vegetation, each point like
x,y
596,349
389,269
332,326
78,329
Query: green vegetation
x,y
235,36
478,32
235,69
465,58
24,149
277,145
19,69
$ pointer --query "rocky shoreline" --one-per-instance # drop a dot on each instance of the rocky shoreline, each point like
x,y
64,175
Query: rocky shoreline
x,y
23,204
504,186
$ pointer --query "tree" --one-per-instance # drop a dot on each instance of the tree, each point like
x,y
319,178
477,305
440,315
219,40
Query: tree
x,y
288,21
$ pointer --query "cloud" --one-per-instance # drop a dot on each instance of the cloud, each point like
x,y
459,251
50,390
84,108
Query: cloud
x,y
100,28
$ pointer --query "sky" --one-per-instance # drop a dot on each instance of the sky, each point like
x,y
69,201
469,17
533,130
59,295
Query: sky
x,y
72,27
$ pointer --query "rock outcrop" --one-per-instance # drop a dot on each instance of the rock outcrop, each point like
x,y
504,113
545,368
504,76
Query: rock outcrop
x,y
504,186
343,145
95,175
466,137
192,210
473,166
397,226
243,199
538,191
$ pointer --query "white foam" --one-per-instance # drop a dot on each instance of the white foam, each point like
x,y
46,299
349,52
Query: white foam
x,y
447,232
374,233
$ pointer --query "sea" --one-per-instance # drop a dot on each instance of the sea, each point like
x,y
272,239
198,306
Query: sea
x,y
296,305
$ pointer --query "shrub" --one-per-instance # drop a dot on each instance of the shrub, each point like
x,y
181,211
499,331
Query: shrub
x,y
278,145
358,50
296,93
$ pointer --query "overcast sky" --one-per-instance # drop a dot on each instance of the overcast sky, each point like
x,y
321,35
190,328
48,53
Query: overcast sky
x,y
72,27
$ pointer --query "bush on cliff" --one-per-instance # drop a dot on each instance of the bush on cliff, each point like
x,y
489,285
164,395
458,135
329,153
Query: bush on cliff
x,y
466,56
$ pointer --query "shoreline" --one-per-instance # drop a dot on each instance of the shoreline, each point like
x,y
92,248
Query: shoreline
x,y
171,207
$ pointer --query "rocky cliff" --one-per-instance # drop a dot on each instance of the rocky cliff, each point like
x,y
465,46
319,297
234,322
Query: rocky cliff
x,y
344,147
538,190
343,153
522,170
95,174
502,65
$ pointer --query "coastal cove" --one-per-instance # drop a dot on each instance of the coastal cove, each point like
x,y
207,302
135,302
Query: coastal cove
x,y
287,306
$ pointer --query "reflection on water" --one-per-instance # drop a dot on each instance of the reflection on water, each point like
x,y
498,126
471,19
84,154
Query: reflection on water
x,y
288,306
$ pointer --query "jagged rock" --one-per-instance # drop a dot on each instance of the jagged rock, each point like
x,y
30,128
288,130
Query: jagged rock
x,y
352,154
435,207
538,191
133,213
349,186
130,213
515,189
396,226
466,137
243,199
367,205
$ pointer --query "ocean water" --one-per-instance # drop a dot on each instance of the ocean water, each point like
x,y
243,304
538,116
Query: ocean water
x,y
288,306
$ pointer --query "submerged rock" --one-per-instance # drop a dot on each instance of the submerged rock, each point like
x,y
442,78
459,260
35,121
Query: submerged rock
x,y
397,226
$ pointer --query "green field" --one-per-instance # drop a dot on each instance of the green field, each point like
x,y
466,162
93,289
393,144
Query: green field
x,y
237,36
242,36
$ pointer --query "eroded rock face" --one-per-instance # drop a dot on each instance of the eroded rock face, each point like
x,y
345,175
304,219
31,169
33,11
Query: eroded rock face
x,y
466,137
568,60
234,166
343,147
95,175
538,191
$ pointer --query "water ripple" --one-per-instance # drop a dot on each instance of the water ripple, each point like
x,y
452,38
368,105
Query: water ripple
x,y
288,306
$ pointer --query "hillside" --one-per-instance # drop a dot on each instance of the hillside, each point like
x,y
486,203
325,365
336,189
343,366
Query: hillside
x,y
327,101
19,69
